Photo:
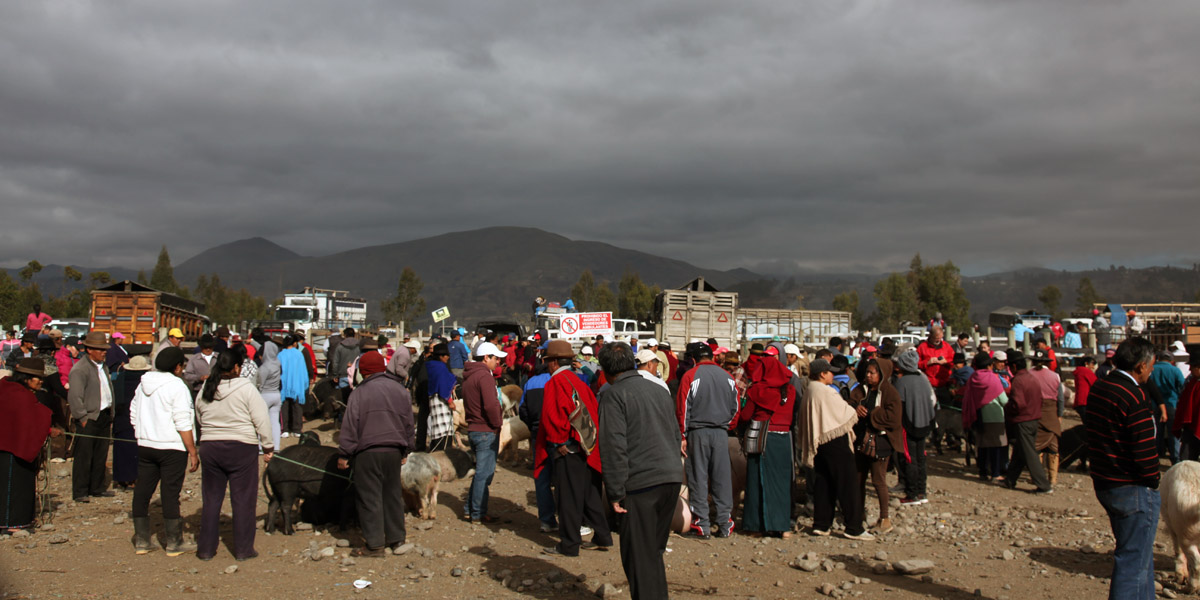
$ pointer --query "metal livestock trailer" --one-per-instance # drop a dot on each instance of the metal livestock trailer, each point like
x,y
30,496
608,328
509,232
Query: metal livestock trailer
x,y
140,312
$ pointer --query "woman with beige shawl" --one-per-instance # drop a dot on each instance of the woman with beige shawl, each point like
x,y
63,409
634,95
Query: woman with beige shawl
x,y
827,438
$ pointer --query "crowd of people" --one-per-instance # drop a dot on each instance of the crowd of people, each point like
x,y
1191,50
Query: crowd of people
x,y
640,425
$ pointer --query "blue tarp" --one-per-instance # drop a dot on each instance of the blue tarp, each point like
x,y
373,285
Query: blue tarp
x,y
1118,315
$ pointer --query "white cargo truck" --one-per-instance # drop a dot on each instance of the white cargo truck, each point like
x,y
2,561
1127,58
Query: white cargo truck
x,y
317,308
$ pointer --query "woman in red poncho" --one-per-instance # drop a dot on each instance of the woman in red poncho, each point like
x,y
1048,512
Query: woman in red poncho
x,y
769,397
24,425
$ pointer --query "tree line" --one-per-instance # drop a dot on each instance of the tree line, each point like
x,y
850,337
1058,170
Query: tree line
x,y
633,299
222,304
913,297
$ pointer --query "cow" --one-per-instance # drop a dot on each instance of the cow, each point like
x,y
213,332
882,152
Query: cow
x,y
316,480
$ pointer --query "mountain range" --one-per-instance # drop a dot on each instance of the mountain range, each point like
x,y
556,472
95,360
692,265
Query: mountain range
x,y
496,272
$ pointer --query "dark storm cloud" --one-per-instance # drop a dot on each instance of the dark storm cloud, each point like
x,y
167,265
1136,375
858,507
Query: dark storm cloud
x,y
781,135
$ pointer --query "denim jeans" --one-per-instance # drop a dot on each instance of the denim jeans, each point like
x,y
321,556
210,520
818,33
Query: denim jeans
x,y
1133,513
545,496
485,444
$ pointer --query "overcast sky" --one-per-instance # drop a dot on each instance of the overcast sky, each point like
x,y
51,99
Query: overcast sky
x,y
828,135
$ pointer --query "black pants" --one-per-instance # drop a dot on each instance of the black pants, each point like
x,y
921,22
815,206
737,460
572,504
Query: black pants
x,y
837,481
915,469
578,498
423,422
644,531
87,474
379,497
1025,454
154,465
291,416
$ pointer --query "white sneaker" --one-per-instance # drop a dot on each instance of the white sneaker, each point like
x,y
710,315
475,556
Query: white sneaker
x,y
585,531
865,536
284,434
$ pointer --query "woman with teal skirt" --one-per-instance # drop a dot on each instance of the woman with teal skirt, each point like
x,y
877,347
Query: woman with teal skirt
x,y
769,397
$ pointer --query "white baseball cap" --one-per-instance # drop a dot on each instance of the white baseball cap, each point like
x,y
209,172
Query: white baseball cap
x,y
586,350
791,349
651,342
1000,356
645,356
490,349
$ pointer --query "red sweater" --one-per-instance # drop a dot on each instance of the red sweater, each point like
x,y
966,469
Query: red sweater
x,y
939,375
1084,379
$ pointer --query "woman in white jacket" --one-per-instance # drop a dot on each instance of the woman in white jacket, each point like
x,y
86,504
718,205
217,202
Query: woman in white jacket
x,y
161,415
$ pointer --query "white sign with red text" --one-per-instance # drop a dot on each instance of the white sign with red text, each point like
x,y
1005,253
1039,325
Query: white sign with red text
x,y
577,325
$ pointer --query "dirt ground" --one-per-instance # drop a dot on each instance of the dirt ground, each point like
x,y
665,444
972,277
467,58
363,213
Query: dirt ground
x,y
984,541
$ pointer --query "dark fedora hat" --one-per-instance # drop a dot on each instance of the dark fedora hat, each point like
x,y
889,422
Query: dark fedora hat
x,y
31,366
96,340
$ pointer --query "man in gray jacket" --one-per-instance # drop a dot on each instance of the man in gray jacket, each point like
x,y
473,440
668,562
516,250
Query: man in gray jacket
x,y
199,365
917,395
707,403
91,400
642,445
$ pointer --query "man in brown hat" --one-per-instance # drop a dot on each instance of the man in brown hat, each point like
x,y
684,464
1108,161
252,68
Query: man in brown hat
x,y
569,428
221,343
91,400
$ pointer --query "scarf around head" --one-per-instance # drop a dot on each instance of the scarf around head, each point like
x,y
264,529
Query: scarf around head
x,y
826,417
983,387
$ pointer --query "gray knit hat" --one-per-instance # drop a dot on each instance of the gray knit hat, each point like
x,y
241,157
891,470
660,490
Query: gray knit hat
x,y
907,361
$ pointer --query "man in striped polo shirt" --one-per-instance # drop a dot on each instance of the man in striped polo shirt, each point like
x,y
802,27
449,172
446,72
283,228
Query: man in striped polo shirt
x,y
1123,454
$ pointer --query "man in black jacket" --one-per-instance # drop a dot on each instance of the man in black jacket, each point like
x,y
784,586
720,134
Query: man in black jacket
x,y
642,447
1123,462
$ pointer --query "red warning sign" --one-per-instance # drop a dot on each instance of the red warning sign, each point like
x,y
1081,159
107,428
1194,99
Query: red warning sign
x,y
722,318
678,316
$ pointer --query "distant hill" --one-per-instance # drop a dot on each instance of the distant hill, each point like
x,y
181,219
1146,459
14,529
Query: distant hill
x,y
253,254
481,274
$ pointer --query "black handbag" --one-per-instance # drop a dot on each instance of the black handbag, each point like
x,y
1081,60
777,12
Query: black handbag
x,y
754,439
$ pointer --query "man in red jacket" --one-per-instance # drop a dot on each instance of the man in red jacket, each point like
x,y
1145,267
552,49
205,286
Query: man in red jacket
x,y
934,359
569,429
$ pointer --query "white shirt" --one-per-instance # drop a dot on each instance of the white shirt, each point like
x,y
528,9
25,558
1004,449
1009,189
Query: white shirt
x,y
654,378
106,399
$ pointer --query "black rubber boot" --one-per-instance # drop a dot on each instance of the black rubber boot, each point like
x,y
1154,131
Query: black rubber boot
x,y
174,536
141,535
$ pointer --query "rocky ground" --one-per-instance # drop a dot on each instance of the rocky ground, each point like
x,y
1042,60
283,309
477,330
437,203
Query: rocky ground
x,y
971,540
